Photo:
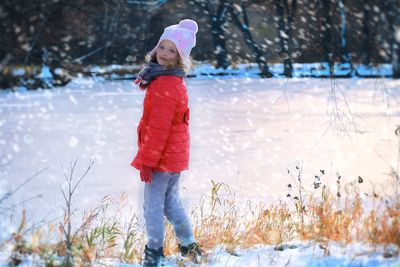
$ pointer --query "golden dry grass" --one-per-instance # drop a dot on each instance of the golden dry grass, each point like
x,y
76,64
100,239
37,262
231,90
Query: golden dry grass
x,y
219,221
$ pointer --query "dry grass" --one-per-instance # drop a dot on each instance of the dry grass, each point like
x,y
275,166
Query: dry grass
x,y
328,222
384,228
219,221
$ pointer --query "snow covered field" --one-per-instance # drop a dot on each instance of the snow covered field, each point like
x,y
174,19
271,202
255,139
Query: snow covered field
x,y
294,254
245,132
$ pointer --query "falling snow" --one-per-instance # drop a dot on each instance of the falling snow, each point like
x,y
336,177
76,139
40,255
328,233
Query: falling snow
x,y
245,132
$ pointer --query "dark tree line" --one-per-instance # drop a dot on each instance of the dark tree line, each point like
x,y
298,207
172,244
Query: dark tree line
x,y
102,32
81,31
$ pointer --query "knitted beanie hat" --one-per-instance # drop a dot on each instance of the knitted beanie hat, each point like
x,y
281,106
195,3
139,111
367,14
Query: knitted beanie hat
x,y
183,35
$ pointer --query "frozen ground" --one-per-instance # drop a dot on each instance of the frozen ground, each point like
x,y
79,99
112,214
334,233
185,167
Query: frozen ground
x,y
245,132
294,254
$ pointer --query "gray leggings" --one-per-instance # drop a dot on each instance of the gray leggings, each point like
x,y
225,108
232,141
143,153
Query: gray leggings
x,y
161,197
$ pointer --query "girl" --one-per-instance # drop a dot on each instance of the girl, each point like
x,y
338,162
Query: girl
x,y
163,140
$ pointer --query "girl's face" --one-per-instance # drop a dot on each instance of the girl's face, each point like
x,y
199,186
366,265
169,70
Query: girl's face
x,y
167,53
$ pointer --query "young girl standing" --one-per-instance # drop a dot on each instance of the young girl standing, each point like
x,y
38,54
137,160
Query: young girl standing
x,y
163,140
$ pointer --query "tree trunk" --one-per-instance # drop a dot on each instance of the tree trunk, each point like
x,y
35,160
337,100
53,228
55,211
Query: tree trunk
x,y
345,55
289,30
326,35
391,13
105,32
218,37
284,13
245,28
217,20
365,54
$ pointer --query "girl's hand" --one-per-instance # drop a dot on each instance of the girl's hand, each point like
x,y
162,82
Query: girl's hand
x,y
146,174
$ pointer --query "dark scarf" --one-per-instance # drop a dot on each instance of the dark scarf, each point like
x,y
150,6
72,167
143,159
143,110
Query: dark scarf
x,y
153,70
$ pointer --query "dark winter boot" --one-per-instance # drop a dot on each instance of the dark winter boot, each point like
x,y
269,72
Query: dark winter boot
x,y
153,257
191,252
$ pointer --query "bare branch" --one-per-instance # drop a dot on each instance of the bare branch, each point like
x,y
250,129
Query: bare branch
x,y
340,119
83,176
73,169
9,194
65,197
12,207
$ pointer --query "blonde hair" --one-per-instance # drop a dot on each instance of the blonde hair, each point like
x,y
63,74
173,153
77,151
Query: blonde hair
x,y
179,63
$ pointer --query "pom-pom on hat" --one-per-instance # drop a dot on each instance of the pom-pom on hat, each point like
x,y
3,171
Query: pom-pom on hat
x,y
183,35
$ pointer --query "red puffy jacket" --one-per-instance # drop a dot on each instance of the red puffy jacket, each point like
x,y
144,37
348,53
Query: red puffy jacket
x,y
163,131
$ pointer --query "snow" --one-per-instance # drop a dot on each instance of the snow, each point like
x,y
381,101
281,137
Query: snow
x,y
18,72
245,132
45,73
318,69
293,254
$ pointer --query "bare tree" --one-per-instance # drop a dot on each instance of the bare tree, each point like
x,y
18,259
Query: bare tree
x,y
285,17
326,33
365,56
66,226
217,12
333,34
240,11
345,55
393,22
